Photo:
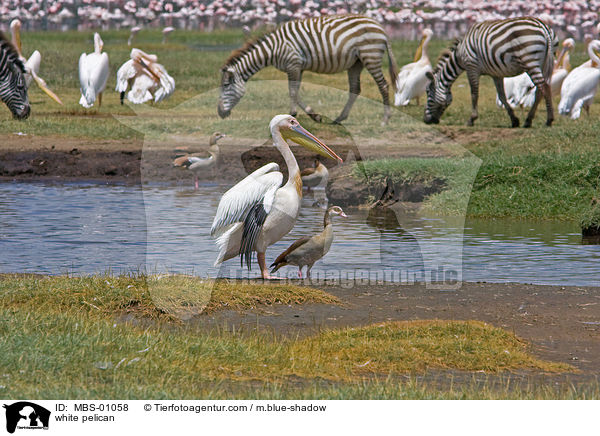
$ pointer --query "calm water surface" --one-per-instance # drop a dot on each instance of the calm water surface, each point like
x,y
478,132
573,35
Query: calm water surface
x,y
90,228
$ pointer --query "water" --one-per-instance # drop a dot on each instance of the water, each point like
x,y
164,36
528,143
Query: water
x,y
90,228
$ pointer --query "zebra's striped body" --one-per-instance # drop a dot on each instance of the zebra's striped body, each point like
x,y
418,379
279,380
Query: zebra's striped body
x,y
13,89
498,48
327,45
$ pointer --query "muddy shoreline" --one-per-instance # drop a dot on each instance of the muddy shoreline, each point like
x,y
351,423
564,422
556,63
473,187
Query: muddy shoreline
x,y
562,323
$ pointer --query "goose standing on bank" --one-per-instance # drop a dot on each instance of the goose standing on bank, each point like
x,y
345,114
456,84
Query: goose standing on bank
x,y
412,80
581,85
258,211
32,65
306,251
147,78
314,177
200,165
93,74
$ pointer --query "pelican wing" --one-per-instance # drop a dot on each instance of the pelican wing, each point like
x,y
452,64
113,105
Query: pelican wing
x,y
140,90
124,74
100,72
87,96
167,84
257,188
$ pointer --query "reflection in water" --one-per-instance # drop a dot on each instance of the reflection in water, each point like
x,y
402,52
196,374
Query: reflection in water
x,y
90,228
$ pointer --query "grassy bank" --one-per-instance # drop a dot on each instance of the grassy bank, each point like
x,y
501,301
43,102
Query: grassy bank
x,y
530,186
77,348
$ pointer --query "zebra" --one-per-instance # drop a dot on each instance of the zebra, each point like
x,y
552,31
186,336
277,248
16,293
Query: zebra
x,y
498,48
329,44
13,89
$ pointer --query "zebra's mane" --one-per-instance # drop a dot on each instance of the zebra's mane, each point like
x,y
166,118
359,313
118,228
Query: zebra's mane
x,y
247,48
446,53
11,52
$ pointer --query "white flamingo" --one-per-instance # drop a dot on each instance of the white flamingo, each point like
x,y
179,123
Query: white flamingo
x,y
166,32
412,79
147,78
581,85
93,74
134,31
258,211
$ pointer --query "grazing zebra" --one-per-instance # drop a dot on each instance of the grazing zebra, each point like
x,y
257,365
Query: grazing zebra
x,y
328,45
13,89
498,48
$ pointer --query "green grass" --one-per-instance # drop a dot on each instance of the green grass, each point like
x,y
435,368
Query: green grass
x,y
529,186
65,334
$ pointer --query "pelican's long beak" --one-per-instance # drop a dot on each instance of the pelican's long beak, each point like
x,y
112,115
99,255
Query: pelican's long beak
x,y
42,84
303,137
18,39
419,51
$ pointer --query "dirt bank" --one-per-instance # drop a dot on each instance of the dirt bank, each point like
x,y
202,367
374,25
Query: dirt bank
x,y
561,323
33,157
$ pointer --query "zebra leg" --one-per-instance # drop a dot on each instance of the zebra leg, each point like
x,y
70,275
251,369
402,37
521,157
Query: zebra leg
x,y
473,77
376,70
531,114
294,79
547,90
499,82
354,90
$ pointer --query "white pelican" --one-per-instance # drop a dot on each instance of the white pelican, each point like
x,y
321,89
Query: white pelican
x,y
317,176
412,80
258,211
306,251
562,66
201,164
134,32
32,65
148,79
581,85
166,32
515,89
93,74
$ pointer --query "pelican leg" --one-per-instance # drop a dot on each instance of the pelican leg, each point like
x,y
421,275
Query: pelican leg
x,y
100,100
196,185
263,268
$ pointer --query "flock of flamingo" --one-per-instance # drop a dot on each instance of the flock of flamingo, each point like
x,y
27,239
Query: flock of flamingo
x,y
402,18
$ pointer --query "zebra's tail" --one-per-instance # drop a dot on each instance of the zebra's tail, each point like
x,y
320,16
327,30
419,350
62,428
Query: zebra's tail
x,y
548,67
393,66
